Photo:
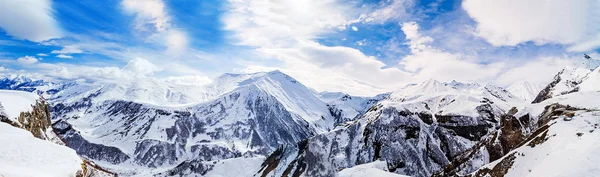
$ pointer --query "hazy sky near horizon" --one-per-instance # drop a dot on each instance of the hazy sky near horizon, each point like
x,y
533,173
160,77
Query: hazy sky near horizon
x,y
359,47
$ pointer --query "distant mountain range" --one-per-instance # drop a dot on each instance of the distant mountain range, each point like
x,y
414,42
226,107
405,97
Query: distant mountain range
x,y
274,125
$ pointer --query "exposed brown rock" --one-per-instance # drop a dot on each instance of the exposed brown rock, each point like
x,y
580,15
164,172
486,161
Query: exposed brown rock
x,y
37,121
499,170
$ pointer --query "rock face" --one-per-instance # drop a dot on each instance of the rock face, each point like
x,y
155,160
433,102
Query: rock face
x,y
417,130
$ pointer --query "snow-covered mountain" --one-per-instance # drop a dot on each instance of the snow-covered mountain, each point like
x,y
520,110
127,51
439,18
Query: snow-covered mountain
x,y
524,90
255,114
272,125
564,82
565,142
549,144
417,131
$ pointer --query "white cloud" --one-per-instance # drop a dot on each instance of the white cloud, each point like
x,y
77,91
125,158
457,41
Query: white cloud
x,y
389,10
135,69
141,67
354,28
69,49
287,32
280,23
416,41
150,15
511,22
154,22
26,60
2,68
29,19
539,71
425,61
42,54
176,41
362,42
64,56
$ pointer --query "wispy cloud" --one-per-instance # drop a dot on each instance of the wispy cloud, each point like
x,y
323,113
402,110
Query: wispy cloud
x,y
69,49
153,22
426,61
64,56
31,20
26,60
284,31
512,22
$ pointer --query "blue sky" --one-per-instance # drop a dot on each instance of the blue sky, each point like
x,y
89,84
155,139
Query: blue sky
x,y
360,47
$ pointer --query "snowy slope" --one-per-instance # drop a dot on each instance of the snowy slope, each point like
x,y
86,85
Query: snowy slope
x,y
22,155
527,123
564,82
345,107
15,102
236,167
143,90
453,98
591,83
377,168
296,98
524,90
559,151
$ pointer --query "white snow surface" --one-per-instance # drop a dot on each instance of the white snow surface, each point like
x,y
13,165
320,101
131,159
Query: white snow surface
x,y
22,155
236,167
377,168
569,76
525,90
15,102
295,97
587,100
591,82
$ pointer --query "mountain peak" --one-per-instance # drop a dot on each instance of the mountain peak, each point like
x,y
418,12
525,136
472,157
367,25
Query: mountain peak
x,y
524,90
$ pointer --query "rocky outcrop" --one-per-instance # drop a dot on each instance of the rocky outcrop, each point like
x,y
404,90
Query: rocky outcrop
x,y
85,148
566,81
36,121
409,142
514,132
